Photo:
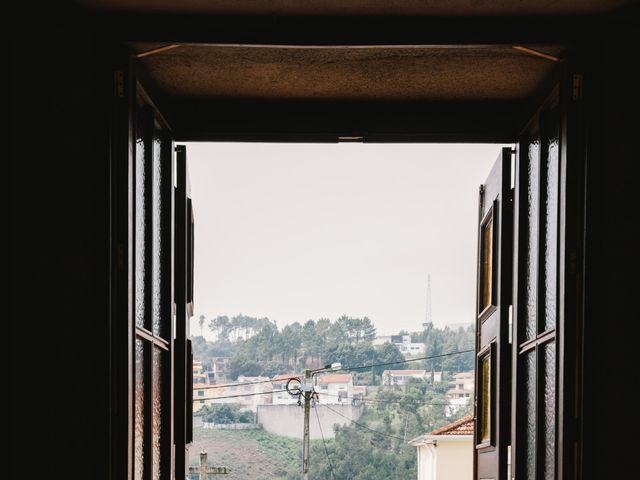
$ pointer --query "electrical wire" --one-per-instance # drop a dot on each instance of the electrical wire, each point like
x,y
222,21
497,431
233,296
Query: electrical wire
x,y
431,357
326,451
364,426
239,395
348,369
375,400
224,385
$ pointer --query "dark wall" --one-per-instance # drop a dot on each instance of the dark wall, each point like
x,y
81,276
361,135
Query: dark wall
x,y
60,250
611,290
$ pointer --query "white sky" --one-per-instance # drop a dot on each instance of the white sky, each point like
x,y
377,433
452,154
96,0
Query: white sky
x,y
300,231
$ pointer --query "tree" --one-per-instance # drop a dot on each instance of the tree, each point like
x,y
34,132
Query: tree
x,y
221,326
201,320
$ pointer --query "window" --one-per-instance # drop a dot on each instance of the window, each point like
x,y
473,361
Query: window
x,y
537,296
201,393
487,297
486,407
152,295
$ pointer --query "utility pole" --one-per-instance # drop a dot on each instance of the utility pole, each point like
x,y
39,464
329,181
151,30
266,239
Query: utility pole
x,y
307,391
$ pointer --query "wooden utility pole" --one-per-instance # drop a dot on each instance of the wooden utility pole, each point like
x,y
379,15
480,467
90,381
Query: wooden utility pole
x,y
307,391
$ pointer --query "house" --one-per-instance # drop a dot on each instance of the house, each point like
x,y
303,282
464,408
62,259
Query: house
x,y
447,452
402,377
203,395
461,393
218,369
335,388
247,392
280,397
198,375
403,342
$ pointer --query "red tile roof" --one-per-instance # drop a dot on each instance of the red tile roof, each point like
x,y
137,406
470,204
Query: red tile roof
x,y
464,426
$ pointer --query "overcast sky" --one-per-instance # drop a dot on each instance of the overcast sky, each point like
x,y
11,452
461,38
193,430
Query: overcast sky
x,y
300,231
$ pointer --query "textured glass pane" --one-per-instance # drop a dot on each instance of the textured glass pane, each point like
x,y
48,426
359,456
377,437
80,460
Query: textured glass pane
x,y
156,262
140,228
530,407
138,427
533,162
550,270
156,392
549,415
485,426
487,263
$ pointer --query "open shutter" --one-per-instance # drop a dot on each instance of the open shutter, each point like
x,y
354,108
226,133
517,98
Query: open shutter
x,y
183,294
495,224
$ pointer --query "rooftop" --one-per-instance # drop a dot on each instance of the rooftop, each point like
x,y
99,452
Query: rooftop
x,y
464,426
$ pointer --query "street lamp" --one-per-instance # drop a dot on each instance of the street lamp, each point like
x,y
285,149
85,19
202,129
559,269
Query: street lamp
x,y
307,391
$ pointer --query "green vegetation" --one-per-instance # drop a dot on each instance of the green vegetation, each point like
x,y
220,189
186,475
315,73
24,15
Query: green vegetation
x,y
257,347
376,447
225,413
253,454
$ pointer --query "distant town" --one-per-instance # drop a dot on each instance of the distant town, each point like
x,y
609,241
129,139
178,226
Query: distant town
x,y
395,391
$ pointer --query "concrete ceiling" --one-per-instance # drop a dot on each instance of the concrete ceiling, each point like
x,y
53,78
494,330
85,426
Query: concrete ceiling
x,y
364,7
338,73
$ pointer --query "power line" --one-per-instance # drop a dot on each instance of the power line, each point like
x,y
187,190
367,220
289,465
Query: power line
x,y
379,401
239,395
347,369
224,385
326,451
364,426
431,357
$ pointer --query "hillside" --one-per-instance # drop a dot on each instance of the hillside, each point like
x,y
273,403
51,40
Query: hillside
x,y
253,454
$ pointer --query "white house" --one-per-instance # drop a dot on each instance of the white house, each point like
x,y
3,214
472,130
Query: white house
x,y
335,388
279,383
447,452
402,377
461,392
403,342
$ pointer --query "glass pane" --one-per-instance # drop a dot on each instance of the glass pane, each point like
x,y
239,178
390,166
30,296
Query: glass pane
x,y
531,305
550,270
485,425
156,393
156,235
138,428
487,263
530,407
549,414
140,224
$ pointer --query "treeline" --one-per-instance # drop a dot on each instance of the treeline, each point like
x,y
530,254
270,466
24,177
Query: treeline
x,y
258,347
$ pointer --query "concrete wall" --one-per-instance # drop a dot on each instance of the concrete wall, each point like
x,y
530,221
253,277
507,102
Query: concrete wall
x,y
287,420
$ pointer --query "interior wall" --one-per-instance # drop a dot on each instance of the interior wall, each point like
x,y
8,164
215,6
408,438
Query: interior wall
x,y
60,251
611,276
